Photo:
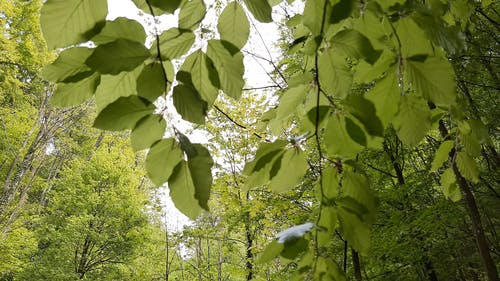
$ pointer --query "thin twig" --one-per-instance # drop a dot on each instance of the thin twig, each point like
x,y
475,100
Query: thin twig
x,y
235,122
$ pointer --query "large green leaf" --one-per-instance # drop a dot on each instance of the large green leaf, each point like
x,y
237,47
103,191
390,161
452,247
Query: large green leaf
x,y
174,43
233,25
151,82
117,56
467,166
147,131
114,86
71,94
200,166
290,99
123,113
120,28
313,15
191,14
334,76
293,168
364,110
356,186
197,71
161,160
341,10
69,64
330,182
267,160
433,78
229,67
271,251
449,186
356,45
385,96
407,31
354,230
159,6
413,119
442,154
183,191
337,140
262,155
189,104
260,9
68,22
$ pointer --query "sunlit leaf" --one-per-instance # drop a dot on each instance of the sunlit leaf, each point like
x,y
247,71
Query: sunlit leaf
x,y
354,230
174,43
334,76
191,14
260,9
189,104
356,45
385,97
117,56
293,168
120,28
467,167
69,63
337,140
442,154
68,22
151,82
200,167
123,113
161,160
182,191
413,119
271,251
449,186
229,67
71,94
147,131
233,25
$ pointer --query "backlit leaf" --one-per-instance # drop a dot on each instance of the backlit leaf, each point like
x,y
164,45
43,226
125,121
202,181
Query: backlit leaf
x,y
337,140
433,78
289,101
191,14
385,98
413,119
449,186
147,131
182,191
68,22
161,160
174,43
120,28
200,167
123,113
356,45
293,168
467,167
151,82
69,63
260,9
197,71
229,67
117,56
233,25
270,252
354,230
334,76
71,94
189,104
442,154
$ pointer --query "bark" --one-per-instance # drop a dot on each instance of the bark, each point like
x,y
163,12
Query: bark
x,y
249,255
356,265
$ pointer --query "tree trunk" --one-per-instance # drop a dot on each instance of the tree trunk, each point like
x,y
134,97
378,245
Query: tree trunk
x,y
356,265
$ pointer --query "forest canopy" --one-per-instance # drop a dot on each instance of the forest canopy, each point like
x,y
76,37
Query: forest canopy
x,y
373,154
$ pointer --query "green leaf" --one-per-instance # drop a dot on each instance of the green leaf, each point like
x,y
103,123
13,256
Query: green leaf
x,y
151,82
147,131
413,119
364,110
328,222
120,28
449,38
341,10
407,31
467,167
114,86
290,100
385,97
71,94
434,79
68,22
69,63
354,230
334,76
264,149
189,104
293,168
356,186
182,191
191,14
367,73
123,113
356,45
200,167
161,160
354,131
260,9
449,186
330,180
117,56
270,252
266,158
168,6
294,248
174,43
442,155
200,72
229,67
233,25
313,15
337,140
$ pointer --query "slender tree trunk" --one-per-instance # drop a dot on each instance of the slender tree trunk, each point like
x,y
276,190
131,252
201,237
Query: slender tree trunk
x,y
167,265
356,265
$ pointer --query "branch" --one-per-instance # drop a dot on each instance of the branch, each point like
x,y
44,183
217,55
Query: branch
x,y
234,121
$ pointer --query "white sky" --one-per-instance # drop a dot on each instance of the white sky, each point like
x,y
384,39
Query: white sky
x,y
255,70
